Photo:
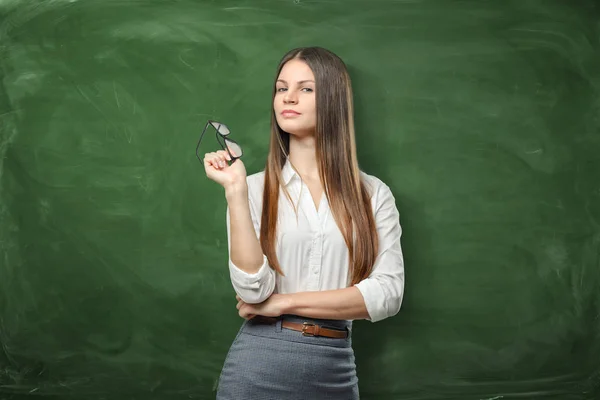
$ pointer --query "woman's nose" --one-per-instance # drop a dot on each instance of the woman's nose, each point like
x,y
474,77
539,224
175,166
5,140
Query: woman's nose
x,y
289,97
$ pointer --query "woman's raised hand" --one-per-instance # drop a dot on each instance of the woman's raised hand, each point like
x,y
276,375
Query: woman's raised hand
x,y
218,170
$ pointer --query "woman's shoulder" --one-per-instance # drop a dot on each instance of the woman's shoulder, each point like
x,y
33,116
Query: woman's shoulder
x,y
373,183
379,192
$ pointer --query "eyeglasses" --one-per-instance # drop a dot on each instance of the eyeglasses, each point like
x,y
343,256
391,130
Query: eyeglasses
x,y
222,133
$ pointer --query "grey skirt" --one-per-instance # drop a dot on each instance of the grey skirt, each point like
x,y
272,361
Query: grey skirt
x,y
268,362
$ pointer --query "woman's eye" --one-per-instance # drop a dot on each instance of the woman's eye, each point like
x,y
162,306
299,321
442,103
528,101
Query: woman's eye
x,y
281,89
307,89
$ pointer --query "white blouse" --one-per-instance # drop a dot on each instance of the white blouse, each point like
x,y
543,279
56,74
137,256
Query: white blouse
x,y
312,252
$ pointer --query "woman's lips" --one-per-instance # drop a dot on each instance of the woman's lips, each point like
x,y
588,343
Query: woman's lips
x,y
290,113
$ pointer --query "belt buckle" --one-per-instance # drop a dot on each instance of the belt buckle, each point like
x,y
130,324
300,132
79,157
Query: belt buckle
x,y
305,326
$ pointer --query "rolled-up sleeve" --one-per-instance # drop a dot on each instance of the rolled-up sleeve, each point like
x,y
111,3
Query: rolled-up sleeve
x,y
252,288
383,289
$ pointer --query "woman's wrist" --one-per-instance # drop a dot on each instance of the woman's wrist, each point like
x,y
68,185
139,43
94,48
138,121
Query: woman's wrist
x,y
285,303
236,190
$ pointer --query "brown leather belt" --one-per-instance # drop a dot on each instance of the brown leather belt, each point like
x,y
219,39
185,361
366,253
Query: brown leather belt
x,y
307,328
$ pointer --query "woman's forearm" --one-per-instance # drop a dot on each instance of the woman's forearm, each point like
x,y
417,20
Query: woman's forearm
x,y
245,250
347,303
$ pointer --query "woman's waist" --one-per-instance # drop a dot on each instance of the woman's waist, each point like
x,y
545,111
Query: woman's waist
x,y
298,328
331,323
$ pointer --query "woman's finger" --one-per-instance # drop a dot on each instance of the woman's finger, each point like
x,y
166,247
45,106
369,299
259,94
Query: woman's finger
x,y
220,161
245,311
208,158
214,160
225,154
221,156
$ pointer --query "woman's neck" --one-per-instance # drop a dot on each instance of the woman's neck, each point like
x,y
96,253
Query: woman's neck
x,y
303,156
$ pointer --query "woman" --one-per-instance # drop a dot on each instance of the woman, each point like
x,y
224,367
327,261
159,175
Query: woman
x,y
314,242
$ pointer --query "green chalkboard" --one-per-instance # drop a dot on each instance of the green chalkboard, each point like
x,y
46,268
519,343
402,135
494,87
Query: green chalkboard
x,y
482,116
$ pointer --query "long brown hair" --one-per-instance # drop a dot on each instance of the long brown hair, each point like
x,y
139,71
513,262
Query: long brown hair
x,y
339,172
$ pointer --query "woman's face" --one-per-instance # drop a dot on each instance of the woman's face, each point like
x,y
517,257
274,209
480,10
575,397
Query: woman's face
x,y
295,103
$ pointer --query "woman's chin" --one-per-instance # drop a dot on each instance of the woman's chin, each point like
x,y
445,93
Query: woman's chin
x,y
297,130
301,134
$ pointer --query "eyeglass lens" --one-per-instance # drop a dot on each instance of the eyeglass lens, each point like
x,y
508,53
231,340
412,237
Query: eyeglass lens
x,y
234,148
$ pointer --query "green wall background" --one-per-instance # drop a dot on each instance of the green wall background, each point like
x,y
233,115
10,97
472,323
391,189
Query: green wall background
x,y
482,116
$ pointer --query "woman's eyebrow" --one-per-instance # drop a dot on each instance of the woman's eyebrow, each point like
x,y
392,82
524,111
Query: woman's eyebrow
x,y
304,81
